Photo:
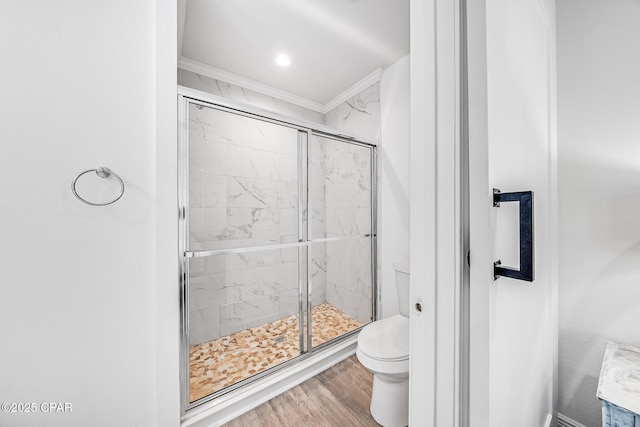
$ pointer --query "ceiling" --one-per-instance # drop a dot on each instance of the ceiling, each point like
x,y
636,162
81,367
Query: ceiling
x,y
333,44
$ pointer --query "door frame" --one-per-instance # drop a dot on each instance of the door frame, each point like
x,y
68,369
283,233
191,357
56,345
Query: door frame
x,y
479,188
439,234
449,130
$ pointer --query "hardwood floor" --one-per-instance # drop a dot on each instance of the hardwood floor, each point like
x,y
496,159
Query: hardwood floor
x,y
339,396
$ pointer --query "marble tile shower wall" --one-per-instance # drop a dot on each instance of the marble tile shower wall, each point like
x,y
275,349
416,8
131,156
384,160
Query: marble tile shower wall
x,y
233,292
246,96
243,191
243,183
316,171
248,197
348,285
358,115
348,204
345,186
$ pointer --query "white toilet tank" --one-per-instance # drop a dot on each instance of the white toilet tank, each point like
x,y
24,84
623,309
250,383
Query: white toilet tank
x,y
401,266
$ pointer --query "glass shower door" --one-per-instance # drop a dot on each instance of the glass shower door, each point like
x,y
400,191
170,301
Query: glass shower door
x,y
241,240
277,245
342,242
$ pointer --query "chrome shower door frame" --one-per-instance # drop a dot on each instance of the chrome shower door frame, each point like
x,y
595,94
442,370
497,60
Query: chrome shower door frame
x,y
187,97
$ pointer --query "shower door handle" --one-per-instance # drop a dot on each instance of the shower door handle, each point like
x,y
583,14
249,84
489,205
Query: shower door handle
x,y
525,202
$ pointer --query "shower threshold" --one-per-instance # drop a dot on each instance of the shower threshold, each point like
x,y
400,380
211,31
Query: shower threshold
x,y
225,361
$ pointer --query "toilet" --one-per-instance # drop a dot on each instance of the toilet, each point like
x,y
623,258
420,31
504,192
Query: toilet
x,y
383,348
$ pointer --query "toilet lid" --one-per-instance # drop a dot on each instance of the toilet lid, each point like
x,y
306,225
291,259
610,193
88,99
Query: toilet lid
x,y
386,339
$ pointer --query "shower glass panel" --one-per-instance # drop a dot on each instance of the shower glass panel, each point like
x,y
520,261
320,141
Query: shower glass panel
x,y
243,316
341,287
277,245
339,188
244,214
340,268
243,181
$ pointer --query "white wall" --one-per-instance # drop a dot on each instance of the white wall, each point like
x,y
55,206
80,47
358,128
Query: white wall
x,y
599,192
88,306
393,181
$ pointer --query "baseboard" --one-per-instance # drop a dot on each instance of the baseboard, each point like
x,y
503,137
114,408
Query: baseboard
x,y
547,422
217,413
564,421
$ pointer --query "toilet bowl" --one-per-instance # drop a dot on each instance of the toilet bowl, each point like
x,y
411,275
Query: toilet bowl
x,y
383,348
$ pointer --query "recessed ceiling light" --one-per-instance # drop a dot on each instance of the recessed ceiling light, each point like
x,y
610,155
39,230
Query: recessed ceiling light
x,y
283,60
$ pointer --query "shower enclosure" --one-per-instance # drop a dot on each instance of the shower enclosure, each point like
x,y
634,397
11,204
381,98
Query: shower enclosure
x,y
277,243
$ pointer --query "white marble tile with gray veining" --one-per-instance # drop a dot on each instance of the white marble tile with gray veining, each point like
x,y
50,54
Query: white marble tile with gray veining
x,y
348,222
248,313
233,279
251,226
247,96
288,302
211,126
242,162
241,261
318,275
204,325
243,192
359,115
349,286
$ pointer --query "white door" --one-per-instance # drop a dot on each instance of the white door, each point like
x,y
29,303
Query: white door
x,y
513,326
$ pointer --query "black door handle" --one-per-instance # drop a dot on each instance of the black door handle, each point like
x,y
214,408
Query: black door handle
x,y
525,202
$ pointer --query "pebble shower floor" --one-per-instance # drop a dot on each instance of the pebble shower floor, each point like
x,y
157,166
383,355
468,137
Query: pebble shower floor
x,y
220,363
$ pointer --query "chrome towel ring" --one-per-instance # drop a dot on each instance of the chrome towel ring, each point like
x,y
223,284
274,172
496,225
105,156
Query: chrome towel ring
x,y
102,172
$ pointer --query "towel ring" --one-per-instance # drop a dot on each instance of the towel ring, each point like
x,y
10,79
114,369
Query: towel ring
x,y
102,172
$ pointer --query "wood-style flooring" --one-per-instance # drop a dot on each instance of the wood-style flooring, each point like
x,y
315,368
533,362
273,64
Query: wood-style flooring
x,y
337,397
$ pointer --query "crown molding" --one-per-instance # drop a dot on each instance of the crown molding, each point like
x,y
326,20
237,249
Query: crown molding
x,y
354,90
218,74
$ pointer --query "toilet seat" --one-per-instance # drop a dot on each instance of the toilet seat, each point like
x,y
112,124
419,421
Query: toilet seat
x,y
386,340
